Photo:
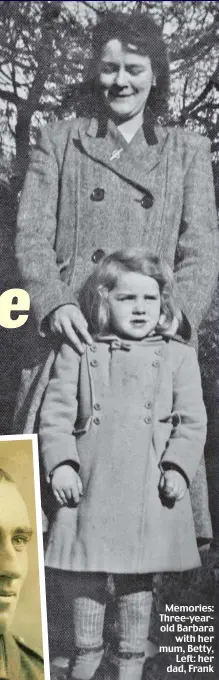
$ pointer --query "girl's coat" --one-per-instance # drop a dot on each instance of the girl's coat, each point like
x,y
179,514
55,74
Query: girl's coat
x,y
118,412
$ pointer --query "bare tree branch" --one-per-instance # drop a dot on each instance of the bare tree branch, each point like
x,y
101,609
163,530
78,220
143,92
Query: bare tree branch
x,y
8,121
212,129
215,146
184,93
138,6
206,106
193,105
98,11
5,75
13,78
11,97
44,58
207,39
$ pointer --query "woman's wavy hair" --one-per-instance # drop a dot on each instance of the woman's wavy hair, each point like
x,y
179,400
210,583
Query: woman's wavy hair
x,y
93,296
141,32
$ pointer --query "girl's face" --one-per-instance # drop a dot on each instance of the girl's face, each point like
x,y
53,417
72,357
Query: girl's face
x,y
126,78
134,305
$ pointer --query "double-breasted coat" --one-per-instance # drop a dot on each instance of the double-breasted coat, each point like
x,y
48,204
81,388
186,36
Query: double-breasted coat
x,y
120,414
84,191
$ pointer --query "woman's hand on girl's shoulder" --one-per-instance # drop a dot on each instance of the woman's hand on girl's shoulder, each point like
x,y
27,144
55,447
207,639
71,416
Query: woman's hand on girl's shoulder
x,y
70,323
66,485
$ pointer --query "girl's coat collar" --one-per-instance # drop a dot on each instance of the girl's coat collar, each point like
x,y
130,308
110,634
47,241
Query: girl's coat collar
x,y
126,344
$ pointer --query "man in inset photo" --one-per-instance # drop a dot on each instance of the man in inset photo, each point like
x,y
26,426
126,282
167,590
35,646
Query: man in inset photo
x,y
17,661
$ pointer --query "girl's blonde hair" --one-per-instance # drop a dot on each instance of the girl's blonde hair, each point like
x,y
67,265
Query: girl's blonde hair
x,y
93,296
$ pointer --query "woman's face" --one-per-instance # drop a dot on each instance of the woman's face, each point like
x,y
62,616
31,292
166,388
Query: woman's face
x,y
126,78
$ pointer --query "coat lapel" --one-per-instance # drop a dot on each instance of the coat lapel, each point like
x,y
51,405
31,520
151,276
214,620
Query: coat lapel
x,y
133,161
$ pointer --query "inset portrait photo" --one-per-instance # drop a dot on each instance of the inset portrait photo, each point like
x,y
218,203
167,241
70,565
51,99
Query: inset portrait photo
x,y
23,619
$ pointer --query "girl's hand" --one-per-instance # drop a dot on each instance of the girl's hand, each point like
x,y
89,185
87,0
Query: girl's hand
x,y
69,322
173,485
66,485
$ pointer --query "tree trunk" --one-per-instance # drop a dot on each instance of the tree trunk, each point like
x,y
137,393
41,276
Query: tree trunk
x,y
22,132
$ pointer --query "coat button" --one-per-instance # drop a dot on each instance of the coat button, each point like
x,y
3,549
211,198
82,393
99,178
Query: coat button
x,y
147,200
97,421
158,351
176,420
97,194
156,364
97,255
148,404
97,407
93,348
94,363
147,420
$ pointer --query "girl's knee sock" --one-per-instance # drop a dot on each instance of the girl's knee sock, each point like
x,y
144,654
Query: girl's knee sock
x,y
134,612
88,620
133,625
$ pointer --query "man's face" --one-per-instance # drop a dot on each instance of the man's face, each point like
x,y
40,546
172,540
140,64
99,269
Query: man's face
x,y
15,533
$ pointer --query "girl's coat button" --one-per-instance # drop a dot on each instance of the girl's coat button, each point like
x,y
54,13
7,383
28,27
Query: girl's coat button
x,y
97,407
176,419
156,364
94,363
147,420
97,421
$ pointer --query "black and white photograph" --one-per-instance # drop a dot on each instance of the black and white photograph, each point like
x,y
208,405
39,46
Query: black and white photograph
x,y
109,323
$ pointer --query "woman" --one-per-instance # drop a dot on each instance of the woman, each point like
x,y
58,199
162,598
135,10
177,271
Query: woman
x,y
92,178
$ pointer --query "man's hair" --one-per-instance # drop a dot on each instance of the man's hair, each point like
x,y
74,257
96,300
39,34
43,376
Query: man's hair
x,y
5,477
94,293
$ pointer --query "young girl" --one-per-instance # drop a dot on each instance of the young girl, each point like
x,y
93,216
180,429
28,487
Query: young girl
x,y
122,430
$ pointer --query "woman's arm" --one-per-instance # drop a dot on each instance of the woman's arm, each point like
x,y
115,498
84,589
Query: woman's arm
x,y
54,304
197,260
59,412
187,440
36,231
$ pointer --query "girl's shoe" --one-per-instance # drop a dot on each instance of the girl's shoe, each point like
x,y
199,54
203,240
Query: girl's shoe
x,y
84,666
127,669
57,673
